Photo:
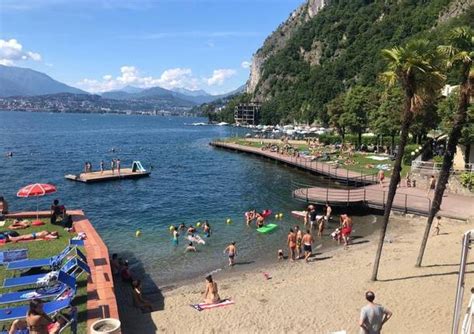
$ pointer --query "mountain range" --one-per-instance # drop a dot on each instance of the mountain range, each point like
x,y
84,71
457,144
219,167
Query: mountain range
x,y
24,82
18,81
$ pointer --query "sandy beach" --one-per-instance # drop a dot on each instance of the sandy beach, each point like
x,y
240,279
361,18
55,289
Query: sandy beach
x,y
326,295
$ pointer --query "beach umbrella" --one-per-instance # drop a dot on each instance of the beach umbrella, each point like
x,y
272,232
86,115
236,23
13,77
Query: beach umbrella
x,y
36,190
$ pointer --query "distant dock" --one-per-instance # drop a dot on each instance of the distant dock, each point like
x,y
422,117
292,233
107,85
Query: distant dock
x,y
108,175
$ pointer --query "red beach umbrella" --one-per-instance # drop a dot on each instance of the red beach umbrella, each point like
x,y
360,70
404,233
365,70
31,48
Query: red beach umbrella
x,y
36,190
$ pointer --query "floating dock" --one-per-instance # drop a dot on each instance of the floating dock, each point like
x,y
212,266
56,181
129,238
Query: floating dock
x,y
107,175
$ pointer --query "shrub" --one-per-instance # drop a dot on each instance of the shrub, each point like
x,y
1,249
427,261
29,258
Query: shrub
x,y
467,180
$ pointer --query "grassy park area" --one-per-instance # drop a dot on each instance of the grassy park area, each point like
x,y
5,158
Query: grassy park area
x,y
361,162
42,249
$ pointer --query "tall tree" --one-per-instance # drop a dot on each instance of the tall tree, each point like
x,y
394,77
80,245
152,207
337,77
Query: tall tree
x,y
459,53
385,120
335,109
358,103
414,68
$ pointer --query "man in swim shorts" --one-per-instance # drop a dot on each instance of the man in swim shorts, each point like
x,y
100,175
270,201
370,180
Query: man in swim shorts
x,y
307,245
231,251
312,215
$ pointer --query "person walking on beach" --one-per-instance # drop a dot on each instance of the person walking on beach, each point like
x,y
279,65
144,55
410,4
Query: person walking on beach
x,y
321,222
437,225
431,185
231,251
373,316
101,167
346,230
211,294
112,165
381,177
307,245
292,244
118,166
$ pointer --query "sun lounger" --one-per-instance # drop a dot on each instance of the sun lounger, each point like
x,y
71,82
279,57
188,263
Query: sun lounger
x,y
51,308
53,262
74,267
11,255
65,282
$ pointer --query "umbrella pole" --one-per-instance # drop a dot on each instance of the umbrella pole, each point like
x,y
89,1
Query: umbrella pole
x,y
37,208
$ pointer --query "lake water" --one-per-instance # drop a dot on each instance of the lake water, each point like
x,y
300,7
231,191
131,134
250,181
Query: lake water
x,y
191,181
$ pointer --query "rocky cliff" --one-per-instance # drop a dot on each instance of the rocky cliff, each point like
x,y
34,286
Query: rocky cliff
x,y
327,46
277,40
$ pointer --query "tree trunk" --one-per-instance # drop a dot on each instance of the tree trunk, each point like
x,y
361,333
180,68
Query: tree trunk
x,y
453,139
394,179
467,154
360,139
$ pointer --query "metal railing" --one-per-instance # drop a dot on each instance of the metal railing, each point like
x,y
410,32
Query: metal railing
x,y
430,167
467,323
372,198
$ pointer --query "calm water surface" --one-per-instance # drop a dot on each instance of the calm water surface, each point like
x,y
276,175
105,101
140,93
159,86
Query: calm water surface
x,y
191,181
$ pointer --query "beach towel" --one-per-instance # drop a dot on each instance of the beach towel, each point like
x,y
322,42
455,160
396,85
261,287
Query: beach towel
x,y
203,306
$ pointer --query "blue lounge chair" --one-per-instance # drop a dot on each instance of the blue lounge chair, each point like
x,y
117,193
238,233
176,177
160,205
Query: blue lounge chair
x,y
65,282
74,267
51,308
52,262
11,255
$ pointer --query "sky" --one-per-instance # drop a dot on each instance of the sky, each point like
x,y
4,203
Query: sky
x,y
103,45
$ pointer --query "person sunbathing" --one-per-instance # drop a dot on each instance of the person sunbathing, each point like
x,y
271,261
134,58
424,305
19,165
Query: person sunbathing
x,y
19,225
37,321
44,235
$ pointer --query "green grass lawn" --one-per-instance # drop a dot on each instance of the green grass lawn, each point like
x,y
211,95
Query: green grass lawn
x,y
48,248
361,162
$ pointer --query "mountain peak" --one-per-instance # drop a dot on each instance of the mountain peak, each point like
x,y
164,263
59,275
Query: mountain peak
x,y
188,92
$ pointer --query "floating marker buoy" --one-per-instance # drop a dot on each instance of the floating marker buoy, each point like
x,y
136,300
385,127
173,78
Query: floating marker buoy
x,y
280,215
229,221
138,233
276,216
198,224
171,228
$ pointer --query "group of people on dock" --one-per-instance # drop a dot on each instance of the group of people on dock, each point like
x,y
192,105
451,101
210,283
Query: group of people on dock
x,y
114,166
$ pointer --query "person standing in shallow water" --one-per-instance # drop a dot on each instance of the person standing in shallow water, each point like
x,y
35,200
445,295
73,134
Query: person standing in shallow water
x,y
231,251
307,245
292,244
299,240
373,316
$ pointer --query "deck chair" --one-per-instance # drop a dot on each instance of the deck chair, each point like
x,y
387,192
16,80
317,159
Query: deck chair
x,y
11,255
65,282
52,308
52,262
74,267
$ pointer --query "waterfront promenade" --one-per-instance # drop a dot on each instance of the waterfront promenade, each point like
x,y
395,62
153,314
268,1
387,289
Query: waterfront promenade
x,y
407,200
333,171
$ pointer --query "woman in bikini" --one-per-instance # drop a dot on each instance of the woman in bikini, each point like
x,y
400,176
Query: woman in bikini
x,y
299,242
38,321
18,225
211,295
292,243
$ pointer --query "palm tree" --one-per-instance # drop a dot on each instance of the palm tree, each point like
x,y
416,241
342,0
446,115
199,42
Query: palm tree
x,y
415,68
459,53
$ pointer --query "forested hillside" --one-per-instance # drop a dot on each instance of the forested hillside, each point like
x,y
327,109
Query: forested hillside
x,y
327,53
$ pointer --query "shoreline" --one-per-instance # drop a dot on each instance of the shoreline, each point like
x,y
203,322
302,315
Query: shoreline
x,y
327,294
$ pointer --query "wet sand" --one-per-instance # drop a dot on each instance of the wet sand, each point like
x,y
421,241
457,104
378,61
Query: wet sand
x,y
326,295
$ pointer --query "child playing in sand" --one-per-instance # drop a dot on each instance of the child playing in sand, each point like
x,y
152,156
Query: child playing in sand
x,y
437,225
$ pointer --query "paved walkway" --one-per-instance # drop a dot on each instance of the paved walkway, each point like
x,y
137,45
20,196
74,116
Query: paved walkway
x,y
322,168
408,200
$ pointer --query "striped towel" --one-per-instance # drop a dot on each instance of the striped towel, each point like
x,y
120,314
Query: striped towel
x,y
202,306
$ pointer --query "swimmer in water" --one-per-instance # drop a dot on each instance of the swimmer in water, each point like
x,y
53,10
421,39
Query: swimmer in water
x,y
190,247
231,251
207,229
191,230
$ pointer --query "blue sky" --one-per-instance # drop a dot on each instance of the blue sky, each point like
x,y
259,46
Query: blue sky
x,y
100,45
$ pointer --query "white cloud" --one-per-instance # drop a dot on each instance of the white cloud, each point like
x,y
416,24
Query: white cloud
x,y
12,51
219,76
246,64
130,75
